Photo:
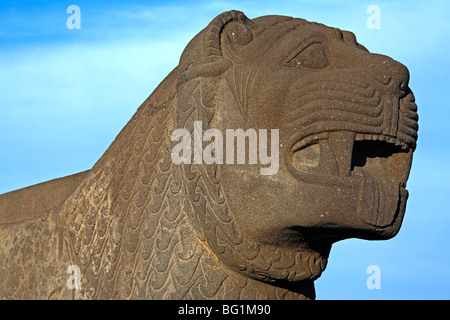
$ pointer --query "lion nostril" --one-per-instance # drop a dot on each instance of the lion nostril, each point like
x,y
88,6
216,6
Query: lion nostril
x,y
383,79
388,72
404,89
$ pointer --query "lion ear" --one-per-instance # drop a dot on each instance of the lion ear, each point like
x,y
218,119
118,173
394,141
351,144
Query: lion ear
x,y
238,33
203,56
210,54
234,38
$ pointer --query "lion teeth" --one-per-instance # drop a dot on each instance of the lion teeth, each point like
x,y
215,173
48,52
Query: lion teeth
x,y
357,137
381,137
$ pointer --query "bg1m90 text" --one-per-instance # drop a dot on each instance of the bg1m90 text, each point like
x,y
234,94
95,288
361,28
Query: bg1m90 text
x,y
246,309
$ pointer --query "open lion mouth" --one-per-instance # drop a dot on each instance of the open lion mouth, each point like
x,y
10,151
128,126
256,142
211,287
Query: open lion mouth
x,y
360,177
357,181
355,158
344,153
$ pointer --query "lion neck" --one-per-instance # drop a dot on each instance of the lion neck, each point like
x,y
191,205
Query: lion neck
x,y
209,278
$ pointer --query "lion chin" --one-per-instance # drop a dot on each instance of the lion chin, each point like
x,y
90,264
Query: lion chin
x,y
139,226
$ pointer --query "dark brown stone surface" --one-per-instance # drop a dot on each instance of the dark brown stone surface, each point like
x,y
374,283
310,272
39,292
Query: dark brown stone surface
x,y
37,200
139,225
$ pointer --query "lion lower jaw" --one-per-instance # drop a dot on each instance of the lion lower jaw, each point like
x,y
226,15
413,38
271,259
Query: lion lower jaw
x,y
291,266
289,282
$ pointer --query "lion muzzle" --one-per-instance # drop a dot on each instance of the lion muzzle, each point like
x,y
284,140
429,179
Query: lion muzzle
x,y
363,182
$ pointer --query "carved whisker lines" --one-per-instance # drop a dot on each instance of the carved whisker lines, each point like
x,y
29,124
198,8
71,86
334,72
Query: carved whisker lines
x,y
344,78
339,85
306,102
337,116
338,105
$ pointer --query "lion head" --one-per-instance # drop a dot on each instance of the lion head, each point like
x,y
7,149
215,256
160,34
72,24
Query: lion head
x,y
347,126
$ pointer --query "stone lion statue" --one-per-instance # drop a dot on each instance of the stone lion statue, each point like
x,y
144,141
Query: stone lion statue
x,y
139,226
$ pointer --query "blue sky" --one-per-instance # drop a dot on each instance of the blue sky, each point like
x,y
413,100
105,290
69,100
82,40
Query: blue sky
x,y
65,95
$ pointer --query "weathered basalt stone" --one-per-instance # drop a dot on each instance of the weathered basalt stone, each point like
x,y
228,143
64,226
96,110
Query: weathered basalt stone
x,y
139,225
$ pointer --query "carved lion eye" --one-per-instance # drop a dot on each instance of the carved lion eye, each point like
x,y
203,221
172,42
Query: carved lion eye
x,y
312,56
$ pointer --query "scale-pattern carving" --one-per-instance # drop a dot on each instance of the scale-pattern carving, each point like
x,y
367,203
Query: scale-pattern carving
x,y
127,225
